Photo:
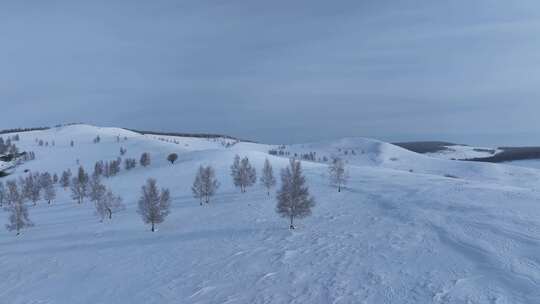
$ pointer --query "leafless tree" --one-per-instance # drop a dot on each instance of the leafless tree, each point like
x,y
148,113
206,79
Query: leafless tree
x,y
205,184
79,186
293,197
243,174
130,163
65,179
12,192
114,167
105,201
18,212
267,179
98,168
145,159
46,181
31,187
153,203
96,190
338,173
108,205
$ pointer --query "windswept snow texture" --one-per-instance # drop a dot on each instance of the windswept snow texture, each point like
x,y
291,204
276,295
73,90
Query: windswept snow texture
x,y
408,228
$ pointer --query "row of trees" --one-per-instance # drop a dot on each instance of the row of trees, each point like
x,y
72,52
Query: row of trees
x,y
29,189
7,146
293,198
36,186
33,188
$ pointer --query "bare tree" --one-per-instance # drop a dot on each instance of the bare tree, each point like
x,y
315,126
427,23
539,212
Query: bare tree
x,y
198,188
338,173
145,159
107,169
267,179
130,163
172,157
293,197
31,187
243,174
12,192
79,186
235,171
98,168
153,204
205,184
18,212
65,179
114,167
107,204
96,190
49,193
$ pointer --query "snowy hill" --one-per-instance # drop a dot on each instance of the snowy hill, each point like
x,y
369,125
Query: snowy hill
x,y
408,228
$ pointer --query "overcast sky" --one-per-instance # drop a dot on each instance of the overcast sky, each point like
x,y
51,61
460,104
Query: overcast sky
x,y
277,71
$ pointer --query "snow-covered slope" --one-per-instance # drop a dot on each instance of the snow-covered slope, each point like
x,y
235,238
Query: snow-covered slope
x,y
408,228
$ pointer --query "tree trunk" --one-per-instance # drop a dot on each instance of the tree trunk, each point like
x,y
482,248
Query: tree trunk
x,y
291,226
110,213
152,226
339,188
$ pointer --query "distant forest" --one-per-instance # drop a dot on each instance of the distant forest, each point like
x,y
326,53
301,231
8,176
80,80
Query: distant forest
x,y
196,135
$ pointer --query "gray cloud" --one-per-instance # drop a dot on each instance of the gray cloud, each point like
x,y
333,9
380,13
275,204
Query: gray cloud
x,y
277,71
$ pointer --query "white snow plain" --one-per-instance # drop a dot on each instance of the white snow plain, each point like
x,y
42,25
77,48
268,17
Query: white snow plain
x,y
407,228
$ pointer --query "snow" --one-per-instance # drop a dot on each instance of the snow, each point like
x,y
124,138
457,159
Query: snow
x,y
4,165
527,163
408,228
464,152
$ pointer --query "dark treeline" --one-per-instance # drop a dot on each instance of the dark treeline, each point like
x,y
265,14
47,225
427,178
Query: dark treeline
x,y
18,130
196,135
425,146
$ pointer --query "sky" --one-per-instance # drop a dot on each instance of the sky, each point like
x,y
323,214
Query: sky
x,y
277,71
